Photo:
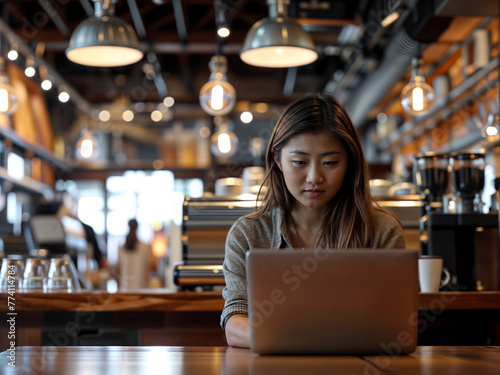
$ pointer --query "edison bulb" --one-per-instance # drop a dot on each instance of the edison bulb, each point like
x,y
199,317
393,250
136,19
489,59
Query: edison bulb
x,y
8,98
87,146
217,98
417,96
224,143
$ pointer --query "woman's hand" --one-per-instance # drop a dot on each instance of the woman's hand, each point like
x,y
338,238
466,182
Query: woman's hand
x,y
238,331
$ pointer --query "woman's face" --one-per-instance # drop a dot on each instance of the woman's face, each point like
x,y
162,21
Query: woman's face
x,y
313,166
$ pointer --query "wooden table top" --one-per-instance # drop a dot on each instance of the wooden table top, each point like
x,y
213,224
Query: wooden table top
x,y
207,301
97,360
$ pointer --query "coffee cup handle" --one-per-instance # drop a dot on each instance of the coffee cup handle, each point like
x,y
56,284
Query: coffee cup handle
x,y
447,278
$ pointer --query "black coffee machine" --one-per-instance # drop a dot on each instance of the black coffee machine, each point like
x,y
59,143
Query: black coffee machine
x,y
458,230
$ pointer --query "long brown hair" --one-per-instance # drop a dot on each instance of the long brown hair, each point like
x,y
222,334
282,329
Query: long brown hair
x,y
349,221
131,239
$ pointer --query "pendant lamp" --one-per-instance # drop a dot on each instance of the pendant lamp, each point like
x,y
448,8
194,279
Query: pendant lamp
x,y
417,96
8,97
104,40
278,41
217,96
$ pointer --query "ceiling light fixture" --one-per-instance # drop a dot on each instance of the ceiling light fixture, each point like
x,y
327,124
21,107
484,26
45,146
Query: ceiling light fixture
x,y
127,115
417,96
217,96
224,143
168,101
246,117
278,41
46,83
30,70
491,130
156,116
223,32
221,16
104,40
8,97
87,147
12,55
63,94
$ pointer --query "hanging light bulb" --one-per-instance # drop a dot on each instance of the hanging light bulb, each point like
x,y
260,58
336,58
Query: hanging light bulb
x,y
217,96
46,83
224,143
12,55
223,32
63,94
30,70
221,18
8,97
417,96
87,146
491,131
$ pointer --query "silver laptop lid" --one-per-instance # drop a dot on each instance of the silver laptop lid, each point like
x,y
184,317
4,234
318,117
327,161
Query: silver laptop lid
x,y
355,301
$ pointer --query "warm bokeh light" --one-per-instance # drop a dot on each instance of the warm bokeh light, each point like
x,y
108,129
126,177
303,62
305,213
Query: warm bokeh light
x,y
223,32
46,84
104,115
246,117
168,101
63,97
156,116
128,115
12,55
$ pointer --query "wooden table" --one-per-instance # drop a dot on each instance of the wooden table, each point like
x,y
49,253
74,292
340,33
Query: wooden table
x,y
427,360
159,317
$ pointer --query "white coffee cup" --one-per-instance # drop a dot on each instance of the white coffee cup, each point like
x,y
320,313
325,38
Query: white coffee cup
x,y
430,268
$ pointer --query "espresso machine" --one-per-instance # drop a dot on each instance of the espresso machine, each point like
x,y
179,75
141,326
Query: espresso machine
x,y
458,230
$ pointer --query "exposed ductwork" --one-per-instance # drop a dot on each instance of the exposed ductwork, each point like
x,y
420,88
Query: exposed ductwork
x,y
403,46
393,66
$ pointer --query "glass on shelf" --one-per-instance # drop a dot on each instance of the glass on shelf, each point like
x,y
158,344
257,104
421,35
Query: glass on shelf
x,y
60,276
11,274
35,275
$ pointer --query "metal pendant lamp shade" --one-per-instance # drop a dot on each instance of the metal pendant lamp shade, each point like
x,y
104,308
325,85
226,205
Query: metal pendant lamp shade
x,y
278,41
104,40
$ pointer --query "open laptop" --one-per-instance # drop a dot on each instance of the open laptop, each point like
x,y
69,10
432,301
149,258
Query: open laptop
x,y
355,301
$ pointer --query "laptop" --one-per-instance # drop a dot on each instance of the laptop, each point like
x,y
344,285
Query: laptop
x,y
350,302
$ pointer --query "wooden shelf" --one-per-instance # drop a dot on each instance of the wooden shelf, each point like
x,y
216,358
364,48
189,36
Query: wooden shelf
x,y
37,150
421,124
27,184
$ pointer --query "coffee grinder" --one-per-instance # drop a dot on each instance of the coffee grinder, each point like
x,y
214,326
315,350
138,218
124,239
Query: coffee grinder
x,y
431,177
467,240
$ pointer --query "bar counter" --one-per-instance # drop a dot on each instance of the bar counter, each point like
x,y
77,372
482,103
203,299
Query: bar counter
x,y
164,300
426,360
162,317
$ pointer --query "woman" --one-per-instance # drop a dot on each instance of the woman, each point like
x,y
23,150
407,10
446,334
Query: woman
x,y
318,195
135,261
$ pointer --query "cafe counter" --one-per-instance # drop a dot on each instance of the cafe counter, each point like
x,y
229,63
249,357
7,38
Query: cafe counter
x,y
163,317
